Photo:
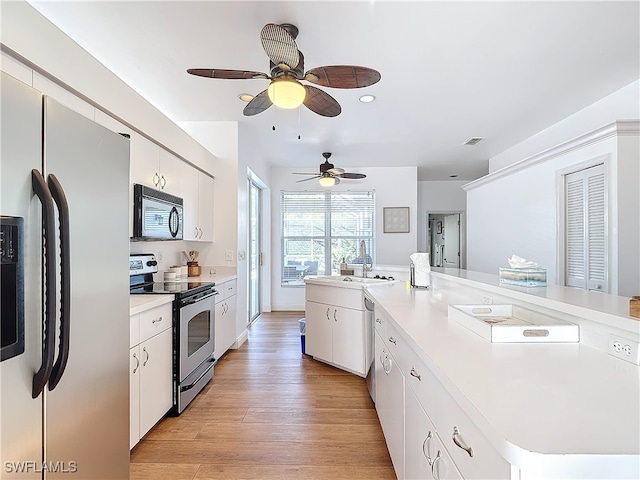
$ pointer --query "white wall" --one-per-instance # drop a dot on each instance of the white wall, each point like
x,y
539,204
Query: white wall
x,y
394,187
619,105
518,213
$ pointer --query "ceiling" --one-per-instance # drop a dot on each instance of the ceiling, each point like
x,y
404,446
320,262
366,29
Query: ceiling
x,y
450,70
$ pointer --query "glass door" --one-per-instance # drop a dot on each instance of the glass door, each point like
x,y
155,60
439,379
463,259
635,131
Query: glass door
x,y
255,253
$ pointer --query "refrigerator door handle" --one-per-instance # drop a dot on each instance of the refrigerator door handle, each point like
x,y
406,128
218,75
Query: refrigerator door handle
x,y
65,281
41,190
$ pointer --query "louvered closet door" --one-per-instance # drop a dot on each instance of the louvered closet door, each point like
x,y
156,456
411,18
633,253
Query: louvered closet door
x,y
585,236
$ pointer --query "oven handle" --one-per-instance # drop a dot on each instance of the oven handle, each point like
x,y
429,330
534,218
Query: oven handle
x,y
191,302
184,388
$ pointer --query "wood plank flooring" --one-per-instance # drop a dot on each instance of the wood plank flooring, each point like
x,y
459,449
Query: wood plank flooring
x,y
270,413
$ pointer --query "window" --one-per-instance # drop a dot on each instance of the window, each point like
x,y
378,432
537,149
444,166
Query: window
x,y
585,235
319,229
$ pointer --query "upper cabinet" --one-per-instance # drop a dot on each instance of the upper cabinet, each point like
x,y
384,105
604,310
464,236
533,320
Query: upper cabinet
x,y
154,167
197,194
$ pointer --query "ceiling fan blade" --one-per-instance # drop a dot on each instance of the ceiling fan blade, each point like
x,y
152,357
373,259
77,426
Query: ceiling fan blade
x,y
336,171
307,179
227,74
343,76
279,45
300,173
258,105
353,176
321,102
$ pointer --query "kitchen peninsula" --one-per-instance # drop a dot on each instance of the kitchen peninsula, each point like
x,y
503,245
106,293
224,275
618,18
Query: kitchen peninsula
x,y
504,410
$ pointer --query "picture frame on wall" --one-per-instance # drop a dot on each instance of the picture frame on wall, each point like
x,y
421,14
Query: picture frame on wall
x,y
395,219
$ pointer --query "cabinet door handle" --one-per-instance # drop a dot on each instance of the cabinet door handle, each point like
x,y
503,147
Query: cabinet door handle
x,y
195,232
201,233
334,316
434,470
159,319
425,448
163,182
393,340
328,315
144,349
460,443
379,321
135,369
415,374
156,179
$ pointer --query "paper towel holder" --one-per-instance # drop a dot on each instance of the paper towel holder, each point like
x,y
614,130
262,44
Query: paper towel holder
x,y
412,271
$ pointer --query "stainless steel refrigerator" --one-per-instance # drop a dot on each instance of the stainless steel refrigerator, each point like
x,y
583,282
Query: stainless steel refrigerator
x,y
64,399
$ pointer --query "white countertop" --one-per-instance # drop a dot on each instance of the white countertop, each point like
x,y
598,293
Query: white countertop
x,y
141,302
528,399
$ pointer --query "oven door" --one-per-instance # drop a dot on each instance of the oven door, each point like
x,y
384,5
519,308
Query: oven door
x,y
197,327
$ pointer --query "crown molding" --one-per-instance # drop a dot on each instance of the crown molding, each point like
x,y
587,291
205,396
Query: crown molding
x,y
618,128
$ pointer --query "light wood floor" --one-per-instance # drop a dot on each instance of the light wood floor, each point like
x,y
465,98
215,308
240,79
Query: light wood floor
x,y
270,413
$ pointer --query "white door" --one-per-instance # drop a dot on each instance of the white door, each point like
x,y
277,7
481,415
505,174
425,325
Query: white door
x,y
452,241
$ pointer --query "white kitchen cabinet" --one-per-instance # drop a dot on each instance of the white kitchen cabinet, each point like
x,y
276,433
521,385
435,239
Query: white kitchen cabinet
x,y
197,194
390,403
225,326
425,456
336,332
151,369
155,167
156,377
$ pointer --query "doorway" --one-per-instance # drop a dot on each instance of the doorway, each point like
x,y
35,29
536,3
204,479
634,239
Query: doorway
x,y
443,239
255,251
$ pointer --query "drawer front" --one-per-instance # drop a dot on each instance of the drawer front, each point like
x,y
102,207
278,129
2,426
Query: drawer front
x,y
134,330
229,288
379,321
155,320
470,450
337,296
396,345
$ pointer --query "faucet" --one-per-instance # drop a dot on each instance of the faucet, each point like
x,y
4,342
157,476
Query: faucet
x,y
363,255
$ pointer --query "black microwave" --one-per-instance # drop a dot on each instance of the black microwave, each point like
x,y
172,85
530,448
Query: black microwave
x,y
156,215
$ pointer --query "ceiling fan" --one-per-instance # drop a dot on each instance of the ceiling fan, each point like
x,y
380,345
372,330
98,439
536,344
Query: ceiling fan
x,y
287,70
330,175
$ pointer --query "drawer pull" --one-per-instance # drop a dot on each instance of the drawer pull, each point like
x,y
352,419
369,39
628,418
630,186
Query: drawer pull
x,y
425,448
159,319
393,340
434,470
415,374
378,320
460,443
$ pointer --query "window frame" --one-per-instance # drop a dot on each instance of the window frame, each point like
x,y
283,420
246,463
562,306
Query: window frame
x,y
327,238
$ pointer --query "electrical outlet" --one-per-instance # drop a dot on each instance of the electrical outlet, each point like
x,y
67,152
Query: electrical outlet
x,y
228,255
625,349
159,256
487,299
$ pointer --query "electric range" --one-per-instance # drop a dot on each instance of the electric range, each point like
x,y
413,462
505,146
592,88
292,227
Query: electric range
x,y
193,326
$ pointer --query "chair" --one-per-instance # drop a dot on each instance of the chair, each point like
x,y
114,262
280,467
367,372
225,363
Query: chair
x,y
313,268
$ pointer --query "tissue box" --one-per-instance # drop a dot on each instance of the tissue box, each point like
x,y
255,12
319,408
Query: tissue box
x,y
523,277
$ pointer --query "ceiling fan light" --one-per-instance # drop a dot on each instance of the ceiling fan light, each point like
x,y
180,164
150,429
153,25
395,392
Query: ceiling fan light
x,y
327,181
286,93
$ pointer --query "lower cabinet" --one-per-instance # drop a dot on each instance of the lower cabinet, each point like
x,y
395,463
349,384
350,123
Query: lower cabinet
x,y
225,327
337,335
425,456
151,371
390,404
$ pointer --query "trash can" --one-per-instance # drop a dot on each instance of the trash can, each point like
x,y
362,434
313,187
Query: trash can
x,y
303,326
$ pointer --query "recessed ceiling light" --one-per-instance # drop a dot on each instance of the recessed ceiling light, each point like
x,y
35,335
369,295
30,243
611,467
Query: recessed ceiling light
x,y
245,97
367,98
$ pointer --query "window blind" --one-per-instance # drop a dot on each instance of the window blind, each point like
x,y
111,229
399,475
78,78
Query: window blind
x,y
319,229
